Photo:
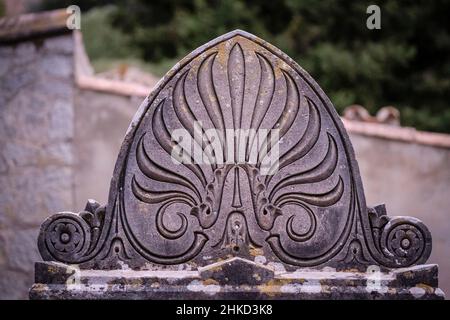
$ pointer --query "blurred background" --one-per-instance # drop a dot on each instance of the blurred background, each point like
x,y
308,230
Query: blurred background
x,y
67,97
406,63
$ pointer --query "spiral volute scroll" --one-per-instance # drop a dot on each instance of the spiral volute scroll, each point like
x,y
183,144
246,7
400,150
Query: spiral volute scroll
x,y
69,237
405,241
64,237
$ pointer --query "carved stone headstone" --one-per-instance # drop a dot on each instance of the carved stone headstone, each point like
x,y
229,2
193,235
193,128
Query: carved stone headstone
x,y
236,179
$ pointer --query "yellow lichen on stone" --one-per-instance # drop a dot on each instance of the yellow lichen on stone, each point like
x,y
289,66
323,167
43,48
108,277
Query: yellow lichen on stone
x,y
272,288
256,252
408,274
426,287
222,56
52,269
210,281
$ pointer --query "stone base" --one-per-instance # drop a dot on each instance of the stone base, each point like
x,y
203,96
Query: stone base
x,y
235,278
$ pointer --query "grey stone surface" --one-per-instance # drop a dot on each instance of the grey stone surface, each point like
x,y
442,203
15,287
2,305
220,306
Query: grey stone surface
x,y
20,257
36,135
309,214
60,45
15,284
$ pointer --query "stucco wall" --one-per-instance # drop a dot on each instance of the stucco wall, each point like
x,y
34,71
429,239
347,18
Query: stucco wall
x,y
36,159
101,120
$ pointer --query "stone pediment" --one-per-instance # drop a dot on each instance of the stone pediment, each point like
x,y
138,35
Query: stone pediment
x,y
236,154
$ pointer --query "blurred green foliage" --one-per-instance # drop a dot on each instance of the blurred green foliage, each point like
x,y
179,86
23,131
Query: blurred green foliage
x,y
2,8
405,64
103,41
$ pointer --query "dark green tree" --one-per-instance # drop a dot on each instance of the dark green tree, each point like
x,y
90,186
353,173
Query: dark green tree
x,y
405,64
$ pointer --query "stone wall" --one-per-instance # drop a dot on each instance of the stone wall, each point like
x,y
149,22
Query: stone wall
x,y
36,159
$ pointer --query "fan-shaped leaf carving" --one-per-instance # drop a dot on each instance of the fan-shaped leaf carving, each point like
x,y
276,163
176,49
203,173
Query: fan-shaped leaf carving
x,y
168,205
271,90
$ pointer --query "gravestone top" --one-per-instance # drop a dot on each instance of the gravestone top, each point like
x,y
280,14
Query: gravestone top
x,y
235,168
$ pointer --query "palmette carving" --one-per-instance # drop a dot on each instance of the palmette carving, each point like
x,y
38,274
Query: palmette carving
x,y
208,194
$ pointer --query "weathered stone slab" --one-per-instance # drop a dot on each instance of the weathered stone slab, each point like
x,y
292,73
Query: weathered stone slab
x,y
234,169
304,284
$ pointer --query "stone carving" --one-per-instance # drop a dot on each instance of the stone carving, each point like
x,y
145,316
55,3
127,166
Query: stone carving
x,y
306,210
